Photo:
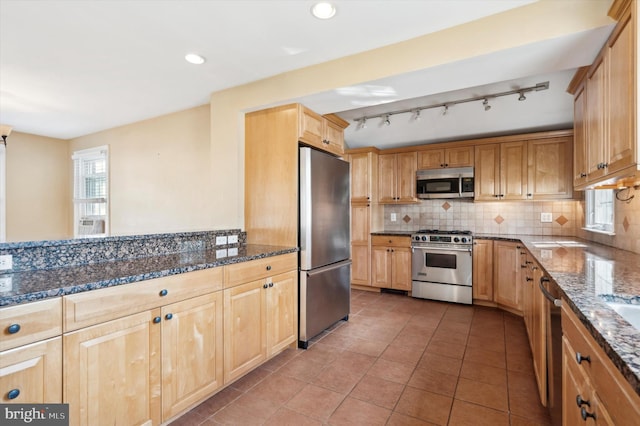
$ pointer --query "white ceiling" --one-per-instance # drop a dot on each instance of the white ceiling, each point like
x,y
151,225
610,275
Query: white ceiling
x,y
70,68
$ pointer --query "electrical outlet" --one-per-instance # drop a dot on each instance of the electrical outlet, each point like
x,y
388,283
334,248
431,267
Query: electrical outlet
x,y
221,240
233,239
233,251
394,217
6,262
546,217
6,284
221,253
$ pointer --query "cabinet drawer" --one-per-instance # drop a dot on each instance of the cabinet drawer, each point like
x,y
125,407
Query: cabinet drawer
x,y
387,240
239,273
31,322
580,346
94,307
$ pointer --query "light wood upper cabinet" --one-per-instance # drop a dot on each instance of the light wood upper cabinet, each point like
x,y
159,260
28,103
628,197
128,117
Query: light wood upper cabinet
x,y
364,176
326,133
487,172
549,169
445,158
397,178
483,270
605,106
501,171
32,374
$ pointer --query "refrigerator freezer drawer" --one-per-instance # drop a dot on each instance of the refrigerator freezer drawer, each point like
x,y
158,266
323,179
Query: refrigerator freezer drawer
x,y
325,298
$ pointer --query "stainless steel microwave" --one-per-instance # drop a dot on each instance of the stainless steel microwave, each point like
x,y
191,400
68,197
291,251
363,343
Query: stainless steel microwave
x,y
445,183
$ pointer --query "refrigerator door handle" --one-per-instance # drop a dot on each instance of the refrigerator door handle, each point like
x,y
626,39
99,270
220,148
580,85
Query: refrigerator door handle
x,y
328,268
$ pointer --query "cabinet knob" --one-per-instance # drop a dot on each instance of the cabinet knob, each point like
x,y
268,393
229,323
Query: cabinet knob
x,y
13,393
265,285
497,196
13,328
580,358
523,266
529,279
270,284
583,175
585,414
529,195
580,402
168,316
446,165
164,292
156,320
441,164
268,267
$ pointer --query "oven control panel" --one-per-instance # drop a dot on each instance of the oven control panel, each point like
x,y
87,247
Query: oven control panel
x,y
443,237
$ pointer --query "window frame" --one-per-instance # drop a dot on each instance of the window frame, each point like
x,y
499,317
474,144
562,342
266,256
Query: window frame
x,y
593,200
79,201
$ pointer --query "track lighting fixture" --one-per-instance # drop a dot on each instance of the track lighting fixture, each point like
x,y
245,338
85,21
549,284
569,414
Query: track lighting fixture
x,y
484,98
362,124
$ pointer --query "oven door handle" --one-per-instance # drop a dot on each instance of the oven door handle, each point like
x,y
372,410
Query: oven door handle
x,y
440,249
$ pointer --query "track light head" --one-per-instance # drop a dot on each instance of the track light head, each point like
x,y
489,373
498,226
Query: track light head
x,y
386,121
486,105
446,110
522,97
362,123
416,115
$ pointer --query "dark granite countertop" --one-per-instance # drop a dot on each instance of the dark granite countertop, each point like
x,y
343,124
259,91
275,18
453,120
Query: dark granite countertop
x,y
595,280
34,285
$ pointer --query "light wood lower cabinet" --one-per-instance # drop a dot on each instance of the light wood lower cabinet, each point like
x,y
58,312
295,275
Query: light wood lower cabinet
x,y
260,319
32,374
506,274
191,352
483,270
391,262
112,372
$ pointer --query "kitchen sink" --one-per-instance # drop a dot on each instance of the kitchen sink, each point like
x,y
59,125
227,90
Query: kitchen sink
x,y
631,313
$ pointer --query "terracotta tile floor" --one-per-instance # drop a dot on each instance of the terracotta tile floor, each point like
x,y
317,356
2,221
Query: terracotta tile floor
x,y
397,361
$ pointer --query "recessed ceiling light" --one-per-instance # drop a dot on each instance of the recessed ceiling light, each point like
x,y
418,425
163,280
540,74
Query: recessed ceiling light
x,y
323,10
194,58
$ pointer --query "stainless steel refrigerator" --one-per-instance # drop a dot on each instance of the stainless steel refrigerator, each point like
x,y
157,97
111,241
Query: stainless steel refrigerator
x,y
325,265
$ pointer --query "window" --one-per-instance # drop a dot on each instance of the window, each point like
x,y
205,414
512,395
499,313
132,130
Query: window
x,y
91,192
599,210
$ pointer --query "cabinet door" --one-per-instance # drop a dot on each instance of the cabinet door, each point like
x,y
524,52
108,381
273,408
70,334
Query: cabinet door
x,y
595,122
360,178
245,317
191,352
360,264
387,178
381,266
574,385
579,139
483,270
459,157
513,171
539,315
112,372
550,175
406,180
401,268
32,374
487,172
507,275
282,312
620,99
310,127
360,232
431,159
333,138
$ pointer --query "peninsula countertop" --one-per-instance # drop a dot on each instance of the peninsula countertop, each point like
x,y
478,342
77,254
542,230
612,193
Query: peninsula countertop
x,y
40,284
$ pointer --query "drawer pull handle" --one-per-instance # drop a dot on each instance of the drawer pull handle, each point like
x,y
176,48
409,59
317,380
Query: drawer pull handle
x,y
164,292
13,393
13,328
156,320
585,414
168,316
580,358
268,267
529,279
582,402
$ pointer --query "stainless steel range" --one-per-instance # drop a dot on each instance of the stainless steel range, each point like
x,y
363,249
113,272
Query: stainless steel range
x,y
442,265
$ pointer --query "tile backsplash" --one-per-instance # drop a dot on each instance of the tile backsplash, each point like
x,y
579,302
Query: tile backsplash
x,y
517,218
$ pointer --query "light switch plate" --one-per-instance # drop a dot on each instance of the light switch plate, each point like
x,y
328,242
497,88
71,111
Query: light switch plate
x,y
394,217
221,240
546,217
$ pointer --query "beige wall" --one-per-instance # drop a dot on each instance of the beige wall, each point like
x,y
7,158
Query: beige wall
x,y
159,173
546,19
38,193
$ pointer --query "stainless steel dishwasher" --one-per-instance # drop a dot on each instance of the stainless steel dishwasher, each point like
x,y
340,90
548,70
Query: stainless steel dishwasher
x,y
554,350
